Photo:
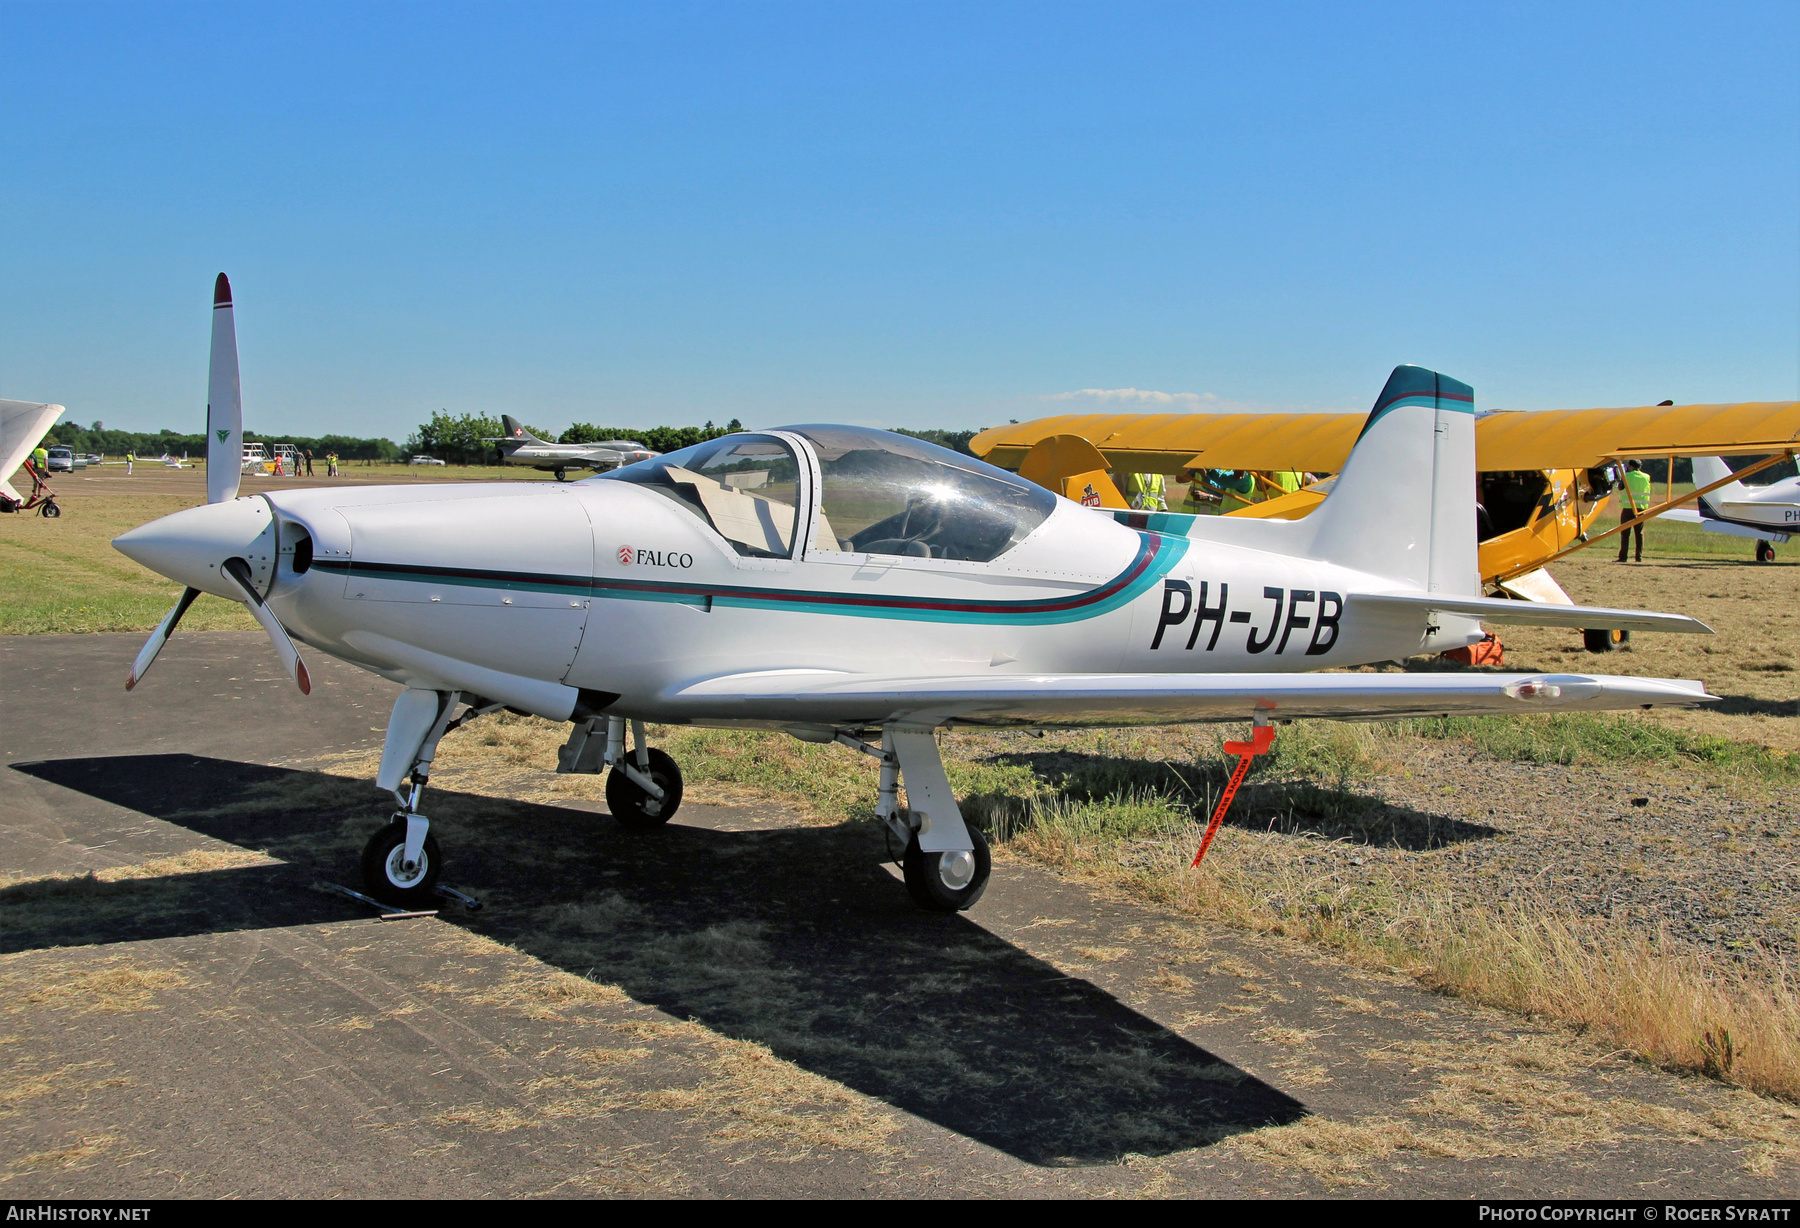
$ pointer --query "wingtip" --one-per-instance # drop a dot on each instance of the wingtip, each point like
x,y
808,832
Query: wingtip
x,y
222,291
131,682
302,677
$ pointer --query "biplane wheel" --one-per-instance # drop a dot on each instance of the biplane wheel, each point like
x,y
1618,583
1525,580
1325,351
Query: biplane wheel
x,y
387,880
635,808
947,882
1605,640
49,510
1765,552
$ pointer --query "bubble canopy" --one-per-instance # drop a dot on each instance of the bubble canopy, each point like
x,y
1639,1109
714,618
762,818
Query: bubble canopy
x,y
881,494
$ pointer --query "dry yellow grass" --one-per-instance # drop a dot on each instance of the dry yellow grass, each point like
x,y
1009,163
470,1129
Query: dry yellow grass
x,y
1675,1006
194,861
112,985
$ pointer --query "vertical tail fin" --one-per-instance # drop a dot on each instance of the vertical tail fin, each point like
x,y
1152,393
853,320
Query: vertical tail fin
x,y
517,430
1710,469
1404,505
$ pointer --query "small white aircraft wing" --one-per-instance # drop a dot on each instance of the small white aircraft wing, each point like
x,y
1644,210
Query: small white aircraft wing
x,y
819,698
22,425
1531,613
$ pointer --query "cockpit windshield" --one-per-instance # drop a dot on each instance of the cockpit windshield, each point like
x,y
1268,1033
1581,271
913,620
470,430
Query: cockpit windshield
x,y
891,494
747,487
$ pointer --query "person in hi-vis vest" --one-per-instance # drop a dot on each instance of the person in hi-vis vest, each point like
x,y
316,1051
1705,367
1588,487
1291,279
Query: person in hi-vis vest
x,y
1146,492
1637,489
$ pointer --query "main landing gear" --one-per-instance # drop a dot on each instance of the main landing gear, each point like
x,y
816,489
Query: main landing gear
x,y
1765,550
946,862
643,788
1605,640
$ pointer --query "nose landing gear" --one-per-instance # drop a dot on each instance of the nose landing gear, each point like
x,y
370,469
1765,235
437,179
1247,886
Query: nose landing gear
x,y
402,861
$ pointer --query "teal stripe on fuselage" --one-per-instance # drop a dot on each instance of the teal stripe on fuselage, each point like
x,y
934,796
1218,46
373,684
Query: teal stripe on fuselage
x,y
1163,553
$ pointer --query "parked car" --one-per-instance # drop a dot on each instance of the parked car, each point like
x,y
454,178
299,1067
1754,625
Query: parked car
x,y
424,460
61,460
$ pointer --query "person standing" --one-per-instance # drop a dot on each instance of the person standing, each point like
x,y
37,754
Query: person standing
x,y
1146,492
129,458
1637,497
309,471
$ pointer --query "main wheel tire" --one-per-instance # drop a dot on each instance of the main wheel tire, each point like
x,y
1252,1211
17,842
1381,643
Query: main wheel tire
x,y
947,882
562,475
49,510
637,809
386,879
1765,551
1605,641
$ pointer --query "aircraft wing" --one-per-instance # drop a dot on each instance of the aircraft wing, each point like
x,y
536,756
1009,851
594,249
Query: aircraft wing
x,y
1539,439
820,698
1165,443
22,425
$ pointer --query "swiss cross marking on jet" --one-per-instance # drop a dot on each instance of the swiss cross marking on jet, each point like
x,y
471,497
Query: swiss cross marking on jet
x,y
1327,609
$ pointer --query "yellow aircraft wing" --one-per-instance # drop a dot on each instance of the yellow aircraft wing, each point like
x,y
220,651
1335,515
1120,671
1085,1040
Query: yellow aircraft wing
x,y
1542,439
1583,438
1164,443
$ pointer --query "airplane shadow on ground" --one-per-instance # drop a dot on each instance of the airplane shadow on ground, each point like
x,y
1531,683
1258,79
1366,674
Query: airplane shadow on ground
x,y
1285,804
793,938
1749,705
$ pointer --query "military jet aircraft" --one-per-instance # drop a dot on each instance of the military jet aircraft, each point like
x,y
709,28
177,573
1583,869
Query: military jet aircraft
x,y
854,586
1770,514
520,447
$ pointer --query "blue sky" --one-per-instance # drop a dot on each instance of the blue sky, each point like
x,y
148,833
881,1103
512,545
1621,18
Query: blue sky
x,y
898,214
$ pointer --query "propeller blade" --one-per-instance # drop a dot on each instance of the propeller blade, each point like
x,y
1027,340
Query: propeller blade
x,y
224,403
159,637
239,571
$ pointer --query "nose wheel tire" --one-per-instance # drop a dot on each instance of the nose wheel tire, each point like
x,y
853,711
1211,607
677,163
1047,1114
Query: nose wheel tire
x,y
50,511
947,882
388,879
635,808
1605,640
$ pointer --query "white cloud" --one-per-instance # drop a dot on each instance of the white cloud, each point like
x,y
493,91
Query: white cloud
x,y
1140,396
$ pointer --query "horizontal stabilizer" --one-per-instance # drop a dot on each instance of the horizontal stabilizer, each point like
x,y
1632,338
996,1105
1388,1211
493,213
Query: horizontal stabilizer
x,y
1533,613
1033,700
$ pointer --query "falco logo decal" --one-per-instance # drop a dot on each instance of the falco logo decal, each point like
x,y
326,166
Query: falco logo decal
x,y
223,435
654,558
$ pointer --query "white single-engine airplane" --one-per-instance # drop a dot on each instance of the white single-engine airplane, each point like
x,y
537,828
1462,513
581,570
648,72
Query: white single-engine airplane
x,y
850,585
1770,514
520,447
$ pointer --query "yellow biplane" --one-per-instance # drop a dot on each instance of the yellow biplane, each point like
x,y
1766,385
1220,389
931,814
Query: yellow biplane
x,y
1544,483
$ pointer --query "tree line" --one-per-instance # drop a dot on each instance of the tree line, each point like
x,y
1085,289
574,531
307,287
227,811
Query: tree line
x,y
99,439
457,438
